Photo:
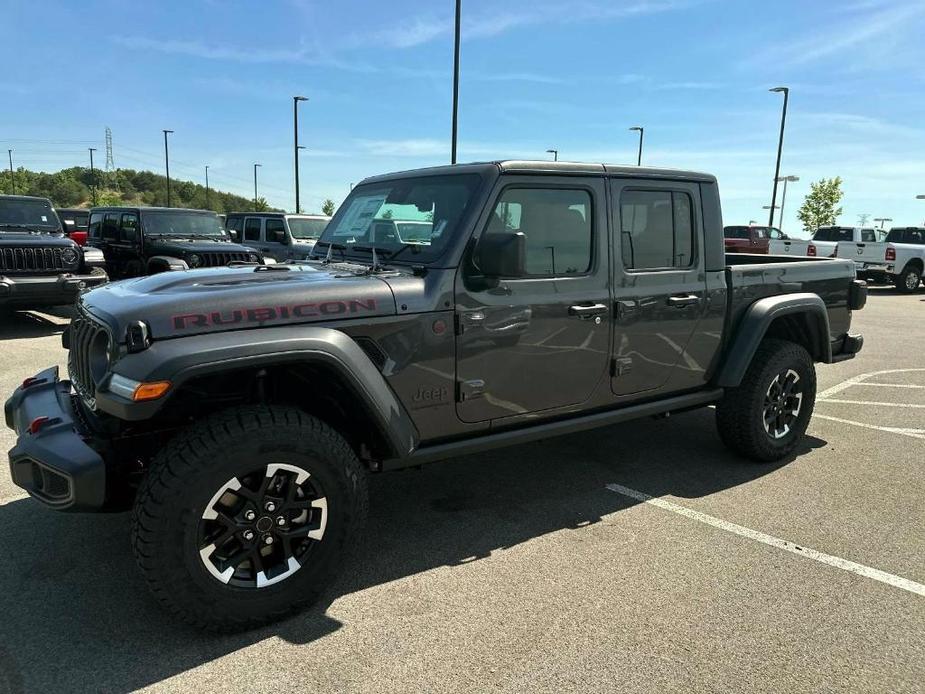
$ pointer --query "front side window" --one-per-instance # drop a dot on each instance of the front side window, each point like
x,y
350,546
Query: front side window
x,y
556,224
96,222
275,230
129,226
656,229
235,224
252,229
111,226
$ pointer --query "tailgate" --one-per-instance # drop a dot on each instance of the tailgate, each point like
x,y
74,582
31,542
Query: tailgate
x,y
789,247
870,252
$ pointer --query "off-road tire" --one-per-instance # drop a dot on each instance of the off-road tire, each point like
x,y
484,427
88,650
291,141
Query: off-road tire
x,y
909,279
740,414
185,474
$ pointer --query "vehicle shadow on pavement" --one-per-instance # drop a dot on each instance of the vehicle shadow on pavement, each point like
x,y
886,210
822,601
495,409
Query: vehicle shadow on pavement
x,y
76,614
25,324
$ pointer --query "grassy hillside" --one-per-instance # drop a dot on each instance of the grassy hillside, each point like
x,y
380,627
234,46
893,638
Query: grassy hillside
x,y
73,188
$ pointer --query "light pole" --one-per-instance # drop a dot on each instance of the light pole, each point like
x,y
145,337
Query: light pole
x,y
167,164
783,198
554,153
780,148
883,220
456,83
92,174
12,175
299,149
295,144
641,133
208,204
917,197
255,186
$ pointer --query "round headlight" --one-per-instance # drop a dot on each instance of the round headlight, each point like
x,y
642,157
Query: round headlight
x,y
254,258
99,353
194,260
69,256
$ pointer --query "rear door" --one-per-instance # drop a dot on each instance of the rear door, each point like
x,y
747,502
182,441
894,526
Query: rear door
x,y
537,342
659,286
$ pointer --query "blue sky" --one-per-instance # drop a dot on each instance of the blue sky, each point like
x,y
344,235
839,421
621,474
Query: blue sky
x,y
536,74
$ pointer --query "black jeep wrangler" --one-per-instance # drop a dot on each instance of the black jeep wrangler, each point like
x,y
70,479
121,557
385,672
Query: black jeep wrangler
x,y
39,265
244,408
140,241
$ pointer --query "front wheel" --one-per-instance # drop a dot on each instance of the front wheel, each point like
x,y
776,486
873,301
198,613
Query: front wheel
x,y
908,280
246,516
765,417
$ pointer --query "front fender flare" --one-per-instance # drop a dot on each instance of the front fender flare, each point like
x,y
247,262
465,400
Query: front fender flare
x,y
181,359
172,263
754,326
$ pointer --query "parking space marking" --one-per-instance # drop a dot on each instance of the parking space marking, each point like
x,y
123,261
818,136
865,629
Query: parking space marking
x,y
770,540
860,379
868,384
914,433
871,402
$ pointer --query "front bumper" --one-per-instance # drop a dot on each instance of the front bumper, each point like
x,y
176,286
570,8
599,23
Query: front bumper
x,y
51,460
46,290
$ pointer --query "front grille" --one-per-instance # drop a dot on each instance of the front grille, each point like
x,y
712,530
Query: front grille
x,y
81,334
32,259
219,259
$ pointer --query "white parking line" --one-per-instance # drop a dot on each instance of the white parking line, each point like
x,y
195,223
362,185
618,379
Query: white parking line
x,y
871,402
867,384
914,433
837,562
858,380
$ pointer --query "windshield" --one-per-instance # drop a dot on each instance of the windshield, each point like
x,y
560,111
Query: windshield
x,y
182,224
833,234
388,215
307,228
916,236
35,214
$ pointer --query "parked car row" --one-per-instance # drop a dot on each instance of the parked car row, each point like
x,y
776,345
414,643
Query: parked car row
x,y
48,256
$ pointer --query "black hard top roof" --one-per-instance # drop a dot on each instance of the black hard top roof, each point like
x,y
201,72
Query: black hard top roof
x,y
128,208
561,168
25,197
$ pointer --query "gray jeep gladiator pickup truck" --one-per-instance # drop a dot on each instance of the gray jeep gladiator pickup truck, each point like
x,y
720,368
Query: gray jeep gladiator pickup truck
x,y
241,409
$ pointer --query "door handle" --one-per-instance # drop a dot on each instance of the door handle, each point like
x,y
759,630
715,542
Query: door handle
x,y
684,300
587,311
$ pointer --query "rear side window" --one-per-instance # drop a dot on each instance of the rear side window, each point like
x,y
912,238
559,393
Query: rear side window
x,y
556,224
834,234
96,222
736,233
656,229
252,229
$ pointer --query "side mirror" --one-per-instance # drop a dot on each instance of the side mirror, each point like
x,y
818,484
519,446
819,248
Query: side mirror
x,y
233,234
501,255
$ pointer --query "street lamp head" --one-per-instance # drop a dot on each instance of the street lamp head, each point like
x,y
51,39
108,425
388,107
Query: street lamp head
x,y
920,197
783,90
168,132
790,179
258,164
301,147
636,127
300,98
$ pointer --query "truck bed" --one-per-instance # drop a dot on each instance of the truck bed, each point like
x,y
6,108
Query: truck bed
x,y
751,277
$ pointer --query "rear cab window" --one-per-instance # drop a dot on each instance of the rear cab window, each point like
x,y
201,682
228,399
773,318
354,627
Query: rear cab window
x,y
656,229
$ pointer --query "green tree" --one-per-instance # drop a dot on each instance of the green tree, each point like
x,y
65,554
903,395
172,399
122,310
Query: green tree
x,y
820,208
328,207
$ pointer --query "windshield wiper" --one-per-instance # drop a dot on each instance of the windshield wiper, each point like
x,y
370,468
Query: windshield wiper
x,y
28,227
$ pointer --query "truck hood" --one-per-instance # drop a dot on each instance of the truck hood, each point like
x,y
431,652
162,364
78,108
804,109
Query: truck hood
x,y
156,244
23,239
192,302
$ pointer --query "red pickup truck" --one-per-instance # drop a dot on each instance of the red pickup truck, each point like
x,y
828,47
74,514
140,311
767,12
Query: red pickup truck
x,y
750,239
75,222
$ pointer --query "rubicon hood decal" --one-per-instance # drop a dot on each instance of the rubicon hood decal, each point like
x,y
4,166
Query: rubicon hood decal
x,y
175,304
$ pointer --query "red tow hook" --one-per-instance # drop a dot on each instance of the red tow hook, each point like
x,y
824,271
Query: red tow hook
x,y
36,424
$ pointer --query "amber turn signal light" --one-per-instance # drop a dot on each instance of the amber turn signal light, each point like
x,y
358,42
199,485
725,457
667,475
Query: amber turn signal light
x,y
150,391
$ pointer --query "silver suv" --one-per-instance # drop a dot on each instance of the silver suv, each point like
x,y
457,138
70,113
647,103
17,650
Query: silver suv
x,y
277,235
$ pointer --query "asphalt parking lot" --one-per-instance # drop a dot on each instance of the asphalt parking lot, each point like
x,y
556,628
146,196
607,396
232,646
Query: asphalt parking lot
x,y
641,557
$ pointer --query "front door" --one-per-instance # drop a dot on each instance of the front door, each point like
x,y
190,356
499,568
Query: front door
x,y
537,342
274,240
659,285
253,233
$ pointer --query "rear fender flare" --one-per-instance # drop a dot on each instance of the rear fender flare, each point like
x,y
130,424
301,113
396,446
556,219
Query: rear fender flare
x,y
182,359
754,325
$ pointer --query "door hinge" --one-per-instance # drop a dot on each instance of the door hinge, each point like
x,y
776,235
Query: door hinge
x,y
469,390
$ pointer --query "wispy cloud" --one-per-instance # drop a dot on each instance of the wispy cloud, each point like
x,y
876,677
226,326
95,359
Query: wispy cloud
x,y
870,21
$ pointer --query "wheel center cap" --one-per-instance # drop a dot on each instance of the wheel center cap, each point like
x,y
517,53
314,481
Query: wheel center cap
x,y
265,524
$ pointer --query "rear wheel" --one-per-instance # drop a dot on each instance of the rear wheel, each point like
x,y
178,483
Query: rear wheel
x,y
767,414
908,280
246,516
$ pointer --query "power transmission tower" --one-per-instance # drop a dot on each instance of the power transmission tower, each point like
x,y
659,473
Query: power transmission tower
x,y
110,166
